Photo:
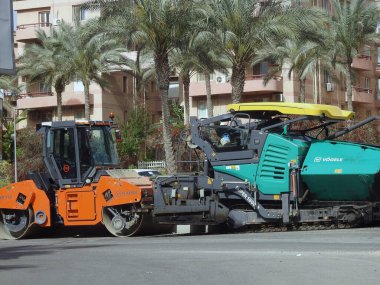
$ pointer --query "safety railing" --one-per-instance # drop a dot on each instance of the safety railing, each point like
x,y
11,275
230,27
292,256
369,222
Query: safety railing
x,y
33,25
151,164
35,94
261,77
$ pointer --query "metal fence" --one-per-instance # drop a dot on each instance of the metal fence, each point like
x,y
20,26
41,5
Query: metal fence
x,y
151,164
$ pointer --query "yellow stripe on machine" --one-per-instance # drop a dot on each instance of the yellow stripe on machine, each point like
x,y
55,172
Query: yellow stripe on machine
x,y
303,109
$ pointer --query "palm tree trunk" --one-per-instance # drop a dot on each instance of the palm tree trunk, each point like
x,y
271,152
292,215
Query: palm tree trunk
x,y
86,99
210,112
59,88
163,73
317,83
138,88
186,97
59,106
301,99
237,82
349,87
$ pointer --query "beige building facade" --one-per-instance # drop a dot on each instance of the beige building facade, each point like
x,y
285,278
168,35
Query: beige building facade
x,y
118,97
320,87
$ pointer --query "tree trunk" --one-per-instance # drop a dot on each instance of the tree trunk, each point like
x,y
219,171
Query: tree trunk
x,y
349,87
237,82
86,99
138,91
163,72
59,106
301,99
186,97
316,84
59,88
210,107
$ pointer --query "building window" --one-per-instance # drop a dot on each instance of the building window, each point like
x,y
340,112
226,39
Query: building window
x,y
78,86
327,77
202,109
79,13
124,84
367,83
44,88
44,18
260,68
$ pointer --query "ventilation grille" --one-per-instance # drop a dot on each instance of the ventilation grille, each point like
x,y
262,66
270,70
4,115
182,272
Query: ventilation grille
x,y
275,163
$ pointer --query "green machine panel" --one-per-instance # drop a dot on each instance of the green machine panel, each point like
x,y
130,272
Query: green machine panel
x,y
241,171
273,172
341,171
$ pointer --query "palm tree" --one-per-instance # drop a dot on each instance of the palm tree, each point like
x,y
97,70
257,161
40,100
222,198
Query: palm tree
x,y
158,25
195,55
46,62
7,82
89,55
244,27
207,61
353,25
302,57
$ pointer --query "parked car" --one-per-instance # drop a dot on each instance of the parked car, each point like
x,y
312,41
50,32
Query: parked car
x,y
147,172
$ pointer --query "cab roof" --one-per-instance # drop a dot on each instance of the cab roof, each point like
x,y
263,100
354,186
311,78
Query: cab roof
x,y
281,108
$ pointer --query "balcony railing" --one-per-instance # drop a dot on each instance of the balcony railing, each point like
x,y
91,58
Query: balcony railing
x,y
34,94
261,77
33,25
253,84
362,95
362,90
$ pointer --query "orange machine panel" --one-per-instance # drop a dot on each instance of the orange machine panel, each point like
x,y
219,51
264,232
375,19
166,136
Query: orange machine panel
x,y
22,195
83,206
80,206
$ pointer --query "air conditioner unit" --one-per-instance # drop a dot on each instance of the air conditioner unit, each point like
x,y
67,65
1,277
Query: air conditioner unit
x,y
57,21
221,79
329,87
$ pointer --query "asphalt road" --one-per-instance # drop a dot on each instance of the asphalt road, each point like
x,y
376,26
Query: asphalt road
x,y
314,257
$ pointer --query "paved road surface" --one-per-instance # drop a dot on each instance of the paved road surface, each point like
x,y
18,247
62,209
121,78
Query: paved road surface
x,y
307,258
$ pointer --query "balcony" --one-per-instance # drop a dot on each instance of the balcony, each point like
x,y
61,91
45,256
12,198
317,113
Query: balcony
x,y
38,100
362,95
253,83
28,4
362,62
27,33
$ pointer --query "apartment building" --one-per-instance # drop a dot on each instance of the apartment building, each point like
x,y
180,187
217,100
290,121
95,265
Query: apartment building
x,y
120,96
40,100
320,87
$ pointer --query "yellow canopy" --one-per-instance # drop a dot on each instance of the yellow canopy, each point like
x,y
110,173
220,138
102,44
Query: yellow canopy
x,y
304,109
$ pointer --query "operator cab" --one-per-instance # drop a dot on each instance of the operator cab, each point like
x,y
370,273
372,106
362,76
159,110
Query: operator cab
x,y
75,150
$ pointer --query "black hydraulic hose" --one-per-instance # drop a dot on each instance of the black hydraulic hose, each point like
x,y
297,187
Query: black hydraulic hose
x,y
349,129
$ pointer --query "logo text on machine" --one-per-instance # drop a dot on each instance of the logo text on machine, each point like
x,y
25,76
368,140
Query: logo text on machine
x,y
328,159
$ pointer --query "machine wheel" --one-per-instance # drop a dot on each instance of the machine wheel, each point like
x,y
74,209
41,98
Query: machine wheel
x,y
125,223
15,224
